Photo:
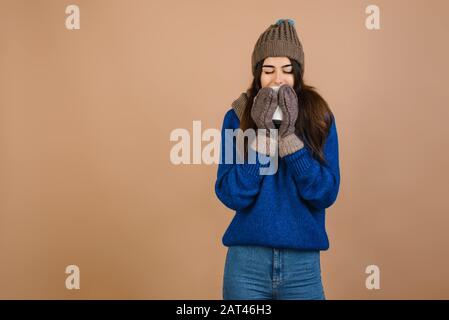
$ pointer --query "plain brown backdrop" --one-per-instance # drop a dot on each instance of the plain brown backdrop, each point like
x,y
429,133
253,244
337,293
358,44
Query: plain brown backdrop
x,y
85,120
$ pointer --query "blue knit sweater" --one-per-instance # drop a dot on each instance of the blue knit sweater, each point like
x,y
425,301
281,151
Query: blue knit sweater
x,y
282,210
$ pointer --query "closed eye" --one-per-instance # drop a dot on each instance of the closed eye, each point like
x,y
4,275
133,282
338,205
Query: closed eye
x,y
271,67
289,72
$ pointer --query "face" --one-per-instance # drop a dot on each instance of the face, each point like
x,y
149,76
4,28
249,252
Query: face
x,y
276,71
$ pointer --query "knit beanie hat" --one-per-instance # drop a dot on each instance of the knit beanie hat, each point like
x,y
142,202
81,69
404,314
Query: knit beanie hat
x,y
278,40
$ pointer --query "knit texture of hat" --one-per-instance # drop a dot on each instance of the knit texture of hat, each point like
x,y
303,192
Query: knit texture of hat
x,y
278,40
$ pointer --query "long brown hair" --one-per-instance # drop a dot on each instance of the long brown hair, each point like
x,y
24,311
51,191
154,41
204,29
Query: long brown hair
x,y
314,115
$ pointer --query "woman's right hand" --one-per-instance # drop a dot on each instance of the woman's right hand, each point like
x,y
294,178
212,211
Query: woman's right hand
x,y
264,106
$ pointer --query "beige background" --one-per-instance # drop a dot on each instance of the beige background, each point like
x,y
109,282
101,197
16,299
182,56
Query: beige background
x,y
85,119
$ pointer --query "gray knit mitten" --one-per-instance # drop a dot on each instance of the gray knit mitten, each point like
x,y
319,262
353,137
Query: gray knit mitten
x,y
264,106
289,142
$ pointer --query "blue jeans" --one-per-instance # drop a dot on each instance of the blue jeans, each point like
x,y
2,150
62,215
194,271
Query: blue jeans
x,y
263,273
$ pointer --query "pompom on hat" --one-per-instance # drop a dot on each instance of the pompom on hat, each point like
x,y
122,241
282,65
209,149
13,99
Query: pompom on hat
x,y
278,40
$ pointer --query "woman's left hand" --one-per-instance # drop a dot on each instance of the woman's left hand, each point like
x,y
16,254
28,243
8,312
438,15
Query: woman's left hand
x,y
288,102
289,142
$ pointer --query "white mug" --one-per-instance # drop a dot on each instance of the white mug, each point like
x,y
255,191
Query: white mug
x,y
278,113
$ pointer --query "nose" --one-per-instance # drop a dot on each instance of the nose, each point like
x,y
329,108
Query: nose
x,y
278,83
278,80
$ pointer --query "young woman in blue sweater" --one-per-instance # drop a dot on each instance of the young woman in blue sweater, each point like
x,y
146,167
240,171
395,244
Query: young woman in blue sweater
x,y
278,230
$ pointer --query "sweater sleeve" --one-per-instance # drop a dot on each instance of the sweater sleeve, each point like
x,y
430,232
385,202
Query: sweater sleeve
x,y
238,184
318,184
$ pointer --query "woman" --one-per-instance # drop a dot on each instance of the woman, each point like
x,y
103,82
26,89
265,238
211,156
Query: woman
x,y
277,233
